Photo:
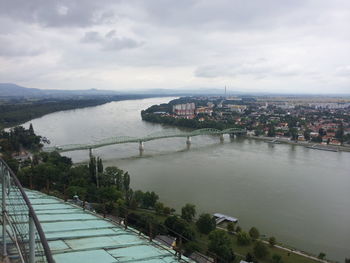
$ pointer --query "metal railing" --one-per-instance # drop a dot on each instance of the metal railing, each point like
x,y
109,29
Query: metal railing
x,y
23,239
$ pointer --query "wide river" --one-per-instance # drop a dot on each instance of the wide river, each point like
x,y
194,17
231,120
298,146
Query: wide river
x,y
299,195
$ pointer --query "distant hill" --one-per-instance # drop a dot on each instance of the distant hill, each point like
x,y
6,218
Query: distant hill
x,y
13,90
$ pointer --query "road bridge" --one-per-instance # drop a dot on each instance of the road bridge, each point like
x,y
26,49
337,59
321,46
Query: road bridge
x,y
141,140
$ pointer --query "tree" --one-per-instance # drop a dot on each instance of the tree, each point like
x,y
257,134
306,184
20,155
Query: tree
x,y
205,223
76,190
322,132
220,243
149,199
294,133
254,233
272,241
99,165
188,212
340,133
260,250
322,255
276,258
307,135
249,257
238,229
92,169
271,132
126,181
31,130
243,239
230,227
179,227
347,260
107,196
159,207
138,197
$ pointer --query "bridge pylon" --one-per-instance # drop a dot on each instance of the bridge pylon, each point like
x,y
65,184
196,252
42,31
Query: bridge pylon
x,y
141,146
188,140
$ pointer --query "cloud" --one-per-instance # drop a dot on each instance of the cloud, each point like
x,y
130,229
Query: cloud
x,y
110,41
260,68
291,45
10,48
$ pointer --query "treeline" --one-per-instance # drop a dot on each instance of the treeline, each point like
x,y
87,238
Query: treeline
x,y
19,138
188,123
15,112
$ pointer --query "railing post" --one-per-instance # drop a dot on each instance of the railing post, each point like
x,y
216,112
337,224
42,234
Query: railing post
x,y
4,223
31,239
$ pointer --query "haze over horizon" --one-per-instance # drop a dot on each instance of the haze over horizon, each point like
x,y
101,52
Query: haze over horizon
x,y
273,46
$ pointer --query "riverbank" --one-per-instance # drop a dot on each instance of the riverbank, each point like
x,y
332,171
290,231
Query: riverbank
x,y
17,112
311,145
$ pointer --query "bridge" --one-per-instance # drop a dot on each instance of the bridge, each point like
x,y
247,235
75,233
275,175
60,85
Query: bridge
x,y
141,140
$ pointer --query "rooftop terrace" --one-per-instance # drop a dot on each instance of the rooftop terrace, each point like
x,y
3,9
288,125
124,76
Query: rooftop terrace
x,y
75,235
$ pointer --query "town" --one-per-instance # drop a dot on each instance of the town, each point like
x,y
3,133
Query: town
x,y
316,120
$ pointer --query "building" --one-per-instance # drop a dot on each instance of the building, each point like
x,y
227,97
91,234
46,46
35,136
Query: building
x,y
204,110
184,110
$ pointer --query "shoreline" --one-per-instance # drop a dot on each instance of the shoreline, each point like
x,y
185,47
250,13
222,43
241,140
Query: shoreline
x,y
333,148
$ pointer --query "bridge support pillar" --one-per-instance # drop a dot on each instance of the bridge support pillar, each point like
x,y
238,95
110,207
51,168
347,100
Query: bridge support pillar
x,y
141,146
188,141
222,138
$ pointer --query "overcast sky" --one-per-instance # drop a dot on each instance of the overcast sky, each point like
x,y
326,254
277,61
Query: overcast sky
x,y
292,46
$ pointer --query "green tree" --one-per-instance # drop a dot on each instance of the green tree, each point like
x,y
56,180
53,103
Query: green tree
x,y
272,241
307,135
126,181
92,169
138,196
271,132
188,212
76,190
159,207
149,199
230,227
322,255
99,165
347,260
107,196
220,243
238,229
260,250
179,227
31,130
206,223
254,233
276,258
340,133
243,239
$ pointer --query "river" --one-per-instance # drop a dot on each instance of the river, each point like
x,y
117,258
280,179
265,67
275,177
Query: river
x,y
299,195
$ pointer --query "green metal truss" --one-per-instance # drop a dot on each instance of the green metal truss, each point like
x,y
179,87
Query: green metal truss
x,y
150,137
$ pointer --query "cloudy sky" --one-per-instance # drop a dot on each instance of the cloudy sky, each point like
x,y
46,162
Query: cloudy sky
x,y
292,46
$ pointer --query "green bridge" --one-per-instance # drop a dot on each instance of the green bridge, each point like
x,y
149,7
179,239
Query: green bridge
x,y
150,137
